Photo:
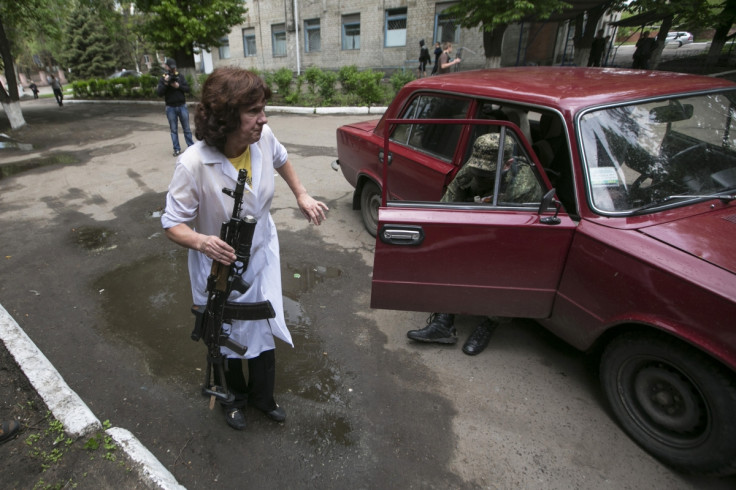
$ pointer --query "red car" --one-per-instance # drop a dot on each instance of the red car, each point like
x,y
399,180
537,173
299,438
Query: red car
x,y
599,202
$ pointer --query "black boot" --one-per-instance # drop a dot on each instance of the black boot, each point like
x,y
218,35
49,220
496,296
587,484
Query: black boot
x,y
261,382
439,329
480,337
236,385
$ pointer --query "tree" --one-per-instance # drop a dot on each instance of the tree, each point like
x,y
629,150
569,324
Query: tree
x,y
19,20
494,16
725,16
89,46
178,26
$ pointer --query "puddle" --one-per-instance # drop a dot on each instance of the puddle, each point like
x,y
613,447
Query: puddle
x,y
94,239
12,169
147,304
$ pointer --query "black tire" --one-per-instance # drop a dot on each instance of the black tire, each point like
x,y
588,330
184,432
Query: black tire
x,y
675,402
370,201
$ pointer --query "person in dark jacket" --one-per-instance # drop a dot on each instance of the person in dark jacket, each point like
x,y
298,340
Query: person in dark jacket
x,y
173,87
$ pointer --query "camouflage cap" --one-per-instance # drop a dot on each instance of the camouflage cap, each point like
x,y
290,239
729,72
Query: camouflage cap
x,y
485,152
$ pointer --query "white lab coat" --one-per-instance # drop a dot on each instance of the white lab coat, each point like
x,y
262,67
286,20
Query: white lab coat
x,y
195,197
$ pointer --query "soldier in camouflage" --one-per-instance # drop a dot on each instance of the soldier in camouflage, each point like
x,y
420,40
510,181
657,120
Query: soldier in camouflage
x,y
475,182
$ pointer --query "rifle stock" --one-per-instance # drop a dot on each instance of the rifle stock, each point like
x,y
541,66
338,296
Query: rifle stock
x,y
222,281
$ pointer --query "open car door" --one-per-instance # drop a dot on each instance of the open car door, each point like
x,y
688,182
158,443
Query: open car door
x,y
499,248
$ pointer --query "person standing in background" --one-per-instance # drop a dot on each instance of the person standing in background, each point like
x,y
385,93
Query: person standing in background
x,y
173,87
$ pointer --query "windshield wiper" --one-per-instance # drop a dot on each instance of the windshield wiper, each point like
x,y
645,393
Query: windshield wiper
x,y
653,204
725,198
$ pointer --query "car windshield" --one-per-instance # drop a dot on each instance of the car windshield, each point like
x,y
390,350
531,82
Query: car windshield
x,y
641,157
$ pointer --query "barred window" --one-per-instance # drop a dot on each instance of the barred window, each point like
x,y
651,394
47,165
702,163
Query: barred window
x,y
395,28
351,31
446,27
278,40
312,36
249,42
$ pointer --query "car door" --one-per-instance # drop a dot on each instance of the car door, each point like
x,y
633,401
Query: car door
x,y
421,155
490,254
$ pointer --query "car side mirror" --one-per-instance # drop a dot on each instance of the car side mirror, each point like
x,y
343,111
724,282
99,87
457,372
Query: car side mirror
x,y
547,201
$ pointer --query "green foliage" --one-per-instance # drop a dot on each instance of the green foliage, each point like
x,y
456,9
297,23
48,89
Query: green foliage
x,y
401,78
348,77
282,78
491,13
368,87
326,85
312,76
175,26
89,52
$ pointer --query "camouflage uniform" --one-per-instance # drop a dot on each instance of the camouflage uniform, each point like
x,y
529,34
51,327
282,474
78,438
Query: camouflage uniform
x,y
477,177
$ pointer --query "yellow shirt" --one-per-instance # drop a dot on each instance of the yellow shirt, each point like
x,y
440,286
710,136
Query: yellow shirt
x,y
243,162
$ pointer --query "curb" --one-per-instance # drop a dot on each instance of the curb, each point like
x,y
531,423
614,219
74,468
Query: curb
x,y
69,409
269,108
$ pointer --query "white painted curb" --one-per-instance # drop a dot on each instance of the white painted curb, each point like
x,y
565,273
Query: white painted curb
x,y
68,408
151,468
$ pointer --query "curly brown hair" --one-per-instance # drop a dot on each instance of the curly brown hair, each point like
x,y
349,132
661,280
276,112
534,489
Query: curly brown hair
x,y
224,92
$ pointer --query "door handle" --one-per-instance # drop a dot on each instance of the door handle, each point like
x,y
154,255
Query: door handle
x,y
401,235
380,157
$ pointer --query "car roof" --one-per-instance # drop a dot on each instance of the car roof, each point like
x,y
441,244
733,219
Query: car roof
x,y
569,89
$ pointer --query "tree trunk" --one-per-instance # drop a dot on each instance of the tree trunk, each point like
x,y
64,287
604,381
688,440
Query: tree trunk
x,y
14,113
661,38
584,41
10,99
721,35
493,45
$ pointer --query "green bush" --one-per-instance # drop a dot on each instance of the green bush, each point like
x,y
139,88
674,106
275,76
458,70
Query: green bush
x,y
326,85
80,89
368,87
312,76
282,78
348,77
401,78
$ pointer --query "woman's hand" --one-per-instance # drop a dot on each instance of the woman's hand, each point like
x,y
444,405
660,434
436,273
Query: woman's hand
x,y
217,249
313,210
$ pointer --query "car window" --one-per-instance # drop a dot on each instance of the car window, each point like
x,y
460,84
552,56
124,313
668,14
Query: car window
x,y
437,140
642,156
496,171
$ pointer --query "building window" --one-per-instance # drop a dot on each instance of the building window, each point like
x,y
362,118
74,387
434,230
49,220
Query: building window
x,y
249,42
224,49
351,31
446,29
312,37
395,28
278,40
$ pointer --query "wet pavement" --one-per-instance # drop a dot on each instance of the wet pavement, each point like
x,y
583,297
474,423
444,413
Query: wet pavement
x,y
88,274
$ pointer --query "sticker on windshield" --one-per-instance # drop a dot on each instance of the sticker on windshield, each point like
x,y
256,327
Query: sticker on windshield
x,y
604,176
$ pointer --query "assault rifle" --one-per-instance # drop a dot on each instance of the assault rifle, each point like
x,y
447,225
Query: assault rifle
x,y
222,281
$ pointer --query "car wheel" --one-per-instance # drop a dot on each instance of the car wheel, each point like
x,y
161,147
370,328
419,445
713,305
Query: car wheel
x,y
370,201
673,401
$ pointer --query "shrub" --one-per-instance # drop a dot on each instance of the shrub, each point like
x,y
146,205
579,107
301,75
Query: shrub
x,y
326,85
401,78
368,87
80,89
312,76
282,78
348,77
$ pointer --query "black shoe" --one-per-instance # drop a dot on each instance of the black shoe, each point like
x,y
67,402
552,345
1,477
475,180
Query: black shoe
x,y
8,430
439,329
235,418
277,414
177,153
480,337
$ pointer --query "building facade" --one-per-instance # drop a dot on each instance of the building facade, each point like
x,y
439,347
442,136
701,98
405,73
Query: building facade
x,y
384,36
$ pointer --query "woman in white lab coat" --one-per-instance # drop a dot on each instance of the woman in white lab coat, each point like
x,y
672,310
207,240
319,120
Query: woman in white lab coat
x,y
233,132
